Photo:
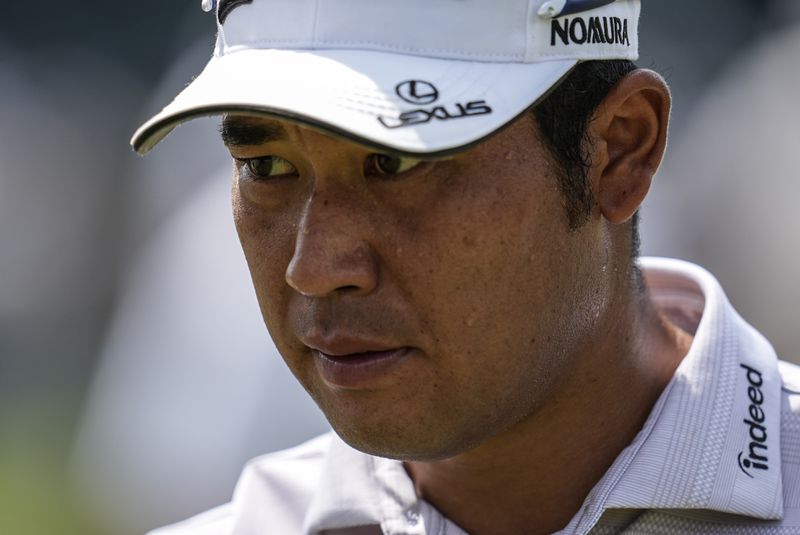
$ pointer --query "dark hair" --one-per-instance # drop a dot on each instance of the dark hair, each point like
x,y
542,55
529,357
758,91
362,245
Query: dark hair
x,y
563,117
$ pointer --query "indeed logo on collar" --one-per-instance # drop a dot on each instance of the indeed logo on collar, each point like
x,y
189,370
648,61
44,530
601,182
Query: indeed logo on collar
x,y
594,30
755,457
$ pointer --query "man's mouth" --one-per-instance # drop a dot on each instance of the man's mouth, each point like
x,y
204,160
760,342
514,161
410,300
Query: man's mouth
x,y
351,364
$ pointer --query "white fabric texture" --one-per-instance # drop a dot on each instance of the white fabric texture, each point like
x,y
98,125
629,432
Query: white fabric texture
x,y
719,453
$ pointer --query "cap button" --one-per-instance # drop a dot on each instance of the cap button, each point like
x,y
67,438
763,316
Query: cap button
x,y
209,5
552,8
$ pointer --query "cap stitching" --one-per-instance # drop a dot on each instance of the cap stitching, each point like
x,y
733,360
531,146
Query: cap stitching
x,y
598,53
315,45
316,21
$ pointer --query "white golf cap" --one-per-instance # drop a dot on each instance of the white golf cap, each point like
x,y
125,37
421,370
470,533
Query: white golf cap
x,y
418,77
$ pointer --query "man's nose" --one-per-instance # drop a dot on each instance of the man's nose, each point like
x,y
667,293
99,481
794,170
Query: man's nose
x,y
332,250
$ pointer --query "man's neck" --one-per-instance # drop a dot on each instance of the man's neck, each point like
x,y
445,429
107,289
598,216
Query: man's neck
x,y
534,477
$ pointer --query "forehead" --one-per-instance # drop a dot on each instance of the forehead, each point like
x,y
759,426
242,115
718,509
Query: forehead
x,y
248,133
244,130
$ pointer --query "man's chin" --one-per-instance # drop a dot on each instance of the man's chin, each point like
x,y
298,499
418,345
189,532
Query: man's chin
x,y
406,447
377,425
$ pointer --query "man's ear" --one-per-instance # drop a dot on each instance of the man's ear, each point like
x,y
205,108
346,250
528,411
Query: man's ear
x,y
629,135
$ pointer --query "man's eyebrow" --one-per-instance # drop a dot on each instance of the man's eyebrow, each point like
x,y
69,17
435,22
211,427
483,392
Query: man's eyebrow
x,y
241,133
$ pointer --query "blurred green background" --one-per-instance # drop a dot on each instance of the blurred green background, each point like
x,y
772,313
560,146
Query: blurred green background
x,y
62,58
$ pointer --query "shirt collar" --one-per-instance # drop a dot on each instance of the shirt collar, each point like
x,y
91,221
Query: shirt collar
x,y
712,441
356,489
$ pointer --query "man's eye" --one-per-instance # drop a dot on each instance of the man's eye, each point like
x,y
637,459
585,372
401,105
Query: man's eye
x,y
386,164
269,167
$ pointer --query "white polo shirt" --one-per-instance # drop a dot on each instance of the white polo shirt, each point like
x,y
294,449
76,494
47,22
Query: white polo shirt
x,y
719,453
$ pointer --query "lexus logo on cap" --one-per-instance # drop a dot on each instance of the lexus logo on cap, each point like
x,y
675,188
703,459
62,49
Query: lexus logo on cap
x,y
417,92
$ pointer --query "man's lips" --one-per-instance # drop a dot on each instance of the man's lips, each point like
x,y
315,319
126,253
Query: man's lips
x,y
348,346
354,364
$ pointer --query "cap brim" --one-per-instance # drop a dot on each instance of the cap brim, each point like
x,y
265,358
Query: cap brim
x,y
359,95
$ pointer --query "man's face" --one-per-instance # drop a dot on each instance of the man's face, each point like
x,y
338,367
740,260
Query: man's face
x,y
425,306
